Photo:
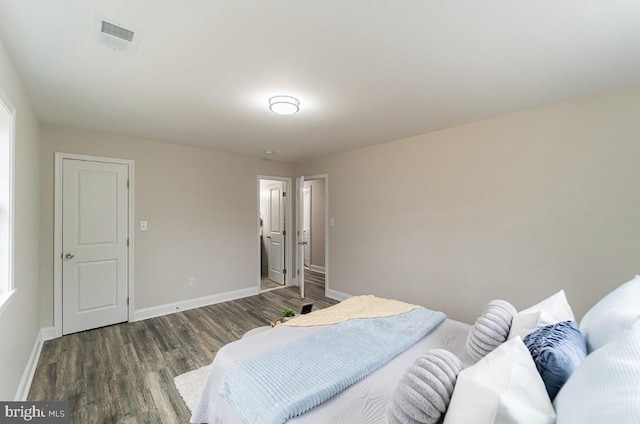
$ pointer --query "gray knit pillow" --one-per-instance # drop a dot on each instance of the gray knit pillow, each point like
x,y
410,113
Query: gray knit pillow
x,y
424,392
491,329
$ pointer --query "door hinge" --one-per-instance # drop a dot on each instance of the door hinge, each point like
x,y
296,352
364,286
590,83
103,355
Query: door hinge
x,y
284,194
127,183
298,271
284,232
284,271
127,242
127,301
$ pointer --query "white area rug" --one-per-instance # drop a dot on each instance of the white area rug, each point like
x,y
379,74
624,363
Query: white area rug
x,y
190,384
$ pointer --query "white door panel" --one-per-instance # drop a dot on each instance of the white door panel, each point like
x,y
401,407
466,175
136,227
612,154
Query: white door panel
x,y
275,271
275,238
95,252
95,290
97,215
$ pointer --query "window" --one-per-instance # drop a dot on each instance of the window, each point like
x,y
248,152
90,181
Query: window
x,y
7,130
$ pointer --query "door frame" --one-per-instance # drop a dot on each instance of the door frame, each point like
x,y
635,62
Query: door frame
x,y
325,177
288,260
57,232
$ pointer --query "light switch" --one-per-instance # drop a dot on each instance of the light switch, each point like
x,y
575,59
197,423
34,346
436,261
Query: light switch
x,y
143,225
332,221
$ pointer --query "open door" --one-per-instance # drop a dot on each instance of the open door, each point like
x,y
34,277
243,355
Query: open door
x,y
276,230
307,225
300,233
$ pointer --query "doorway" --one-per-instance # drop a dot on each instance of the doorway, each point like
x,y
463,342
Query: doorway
x,y
312,233
274,234
93,240
314,220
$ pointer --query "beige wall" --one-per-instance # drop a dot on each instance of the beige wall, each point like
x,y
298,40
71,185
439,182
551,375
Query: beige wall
x,y
201,206
20,321
514,207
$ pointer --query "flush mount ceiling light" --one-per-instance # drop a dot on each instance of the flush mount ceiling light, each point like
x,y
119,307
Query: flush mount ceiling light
x,y
284,105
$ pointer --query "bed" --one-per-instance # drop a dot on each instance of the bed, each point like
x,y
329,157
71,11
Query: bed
x,y
533,366
363,403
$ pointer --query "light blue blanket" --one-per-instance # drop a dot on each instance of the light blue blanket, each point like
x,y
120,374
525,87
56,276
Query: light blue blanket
x,y
288,381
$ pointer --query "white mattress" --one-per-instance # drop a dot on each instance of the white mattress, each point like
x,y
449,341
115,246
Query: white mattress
x,y
363,403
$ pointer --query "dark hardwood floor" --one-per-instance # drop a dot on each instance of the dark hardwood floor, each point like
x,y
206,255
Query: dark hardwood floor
x,y
313,279
266,284
124,373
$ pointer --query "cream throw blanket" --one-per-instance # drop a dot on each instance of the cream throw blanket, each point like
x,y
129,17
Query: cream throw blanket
x,y
366,306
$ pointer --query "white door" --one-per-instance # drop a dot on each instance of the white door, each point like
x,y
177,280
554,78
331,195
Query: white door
x,y
276,228
94,244
300,233
306,231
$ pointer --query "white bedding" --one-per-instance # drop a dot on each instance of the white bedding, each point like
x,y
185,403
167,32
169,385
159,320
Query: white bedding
x,y
362,403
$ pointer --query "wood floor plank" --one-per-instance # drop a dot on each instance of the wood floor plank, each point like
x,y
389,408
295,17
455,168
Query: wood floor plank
x,y
148,350
51,351
161,394
71,358
124,373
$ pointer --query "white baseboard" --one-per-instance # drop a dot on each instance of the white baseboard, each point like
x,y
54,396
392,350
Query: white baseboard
x,y
317,268
171,308
336,295
48,333
30,370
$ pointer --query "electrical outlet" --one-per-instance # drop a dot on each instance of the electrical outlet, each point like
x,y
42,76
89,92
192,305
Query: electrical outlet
x,y
192,282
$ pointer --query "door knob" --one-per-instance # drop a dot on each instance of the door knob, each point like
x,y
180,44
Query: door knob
x,y
69,255
302,243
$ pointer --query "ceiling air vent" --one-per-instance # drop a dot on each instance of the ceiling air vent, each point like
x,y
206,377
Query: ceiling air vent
x,y
117,36
117,31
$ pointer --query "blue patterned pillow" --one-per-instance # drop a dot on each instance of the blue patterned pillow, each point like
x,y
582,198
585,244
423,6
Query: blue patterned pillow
x,y
557,350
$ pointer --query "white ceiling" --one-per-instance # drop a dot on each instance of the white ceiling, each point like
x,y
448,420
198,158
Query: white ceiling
x,y
366,72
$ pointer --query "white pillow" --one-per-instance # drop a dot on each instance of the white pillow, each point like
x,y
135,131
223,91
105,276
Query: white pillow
x,y
605,387
550,311
503,387
613,314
